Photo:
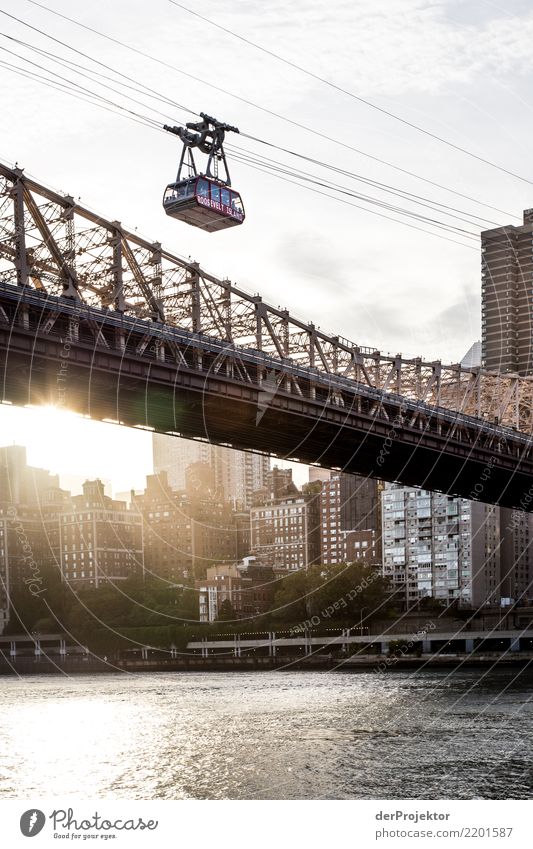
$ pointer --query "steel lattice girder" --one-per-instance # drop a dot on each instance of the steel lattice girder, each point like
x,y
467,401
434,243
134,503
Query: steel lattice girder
x,y
58,246
138,372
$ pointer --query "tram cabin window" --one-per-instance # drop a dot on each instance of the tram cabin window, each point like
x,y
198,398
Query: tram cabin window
x,y
236,202
202,189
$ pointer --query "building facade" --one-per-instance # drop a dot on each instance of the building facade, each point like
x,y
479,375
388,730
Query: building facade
x,y
349,519
186,531
237,474
286,533
507,347
248,587
31,502
439,546
100,539
507,297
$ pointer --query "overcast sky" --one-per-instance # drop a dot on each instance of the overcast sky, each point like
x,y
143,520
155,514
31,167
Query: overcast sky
x,y
462,70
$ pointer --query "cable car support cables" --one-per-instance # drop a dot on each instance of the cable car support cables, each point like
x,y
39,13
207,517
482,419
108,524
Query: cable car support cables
x,y
351,94
248,102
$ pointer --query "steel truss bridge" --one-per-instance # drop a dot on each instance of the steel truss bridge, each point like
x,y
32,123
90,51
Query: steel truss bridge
x,y
98,320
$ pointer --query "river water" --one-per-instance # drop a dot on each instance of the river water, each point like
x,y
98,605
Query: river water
x,y
272,735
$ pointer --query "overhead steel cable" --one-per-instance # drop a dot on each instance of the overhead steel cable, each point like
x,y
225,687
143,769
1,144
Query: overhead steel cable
x,y
72,87
352,94
257,106
366,198
85,55
72,90
371,211
92,97
89,91
383,162
416,199
91,73
409,196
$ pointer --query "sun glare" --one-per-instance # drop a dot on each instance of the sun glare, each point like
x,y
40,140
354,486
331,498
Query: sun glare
x,y
74,446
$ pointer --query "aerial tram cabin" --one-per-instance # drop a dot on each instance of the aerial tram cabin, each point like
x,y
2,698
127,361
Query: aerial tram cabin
x,y
205,200
204,203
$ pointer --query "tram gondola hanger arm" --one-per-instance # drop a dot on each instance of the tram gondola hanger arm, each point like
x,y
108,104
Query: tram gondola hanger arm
x,y
208,136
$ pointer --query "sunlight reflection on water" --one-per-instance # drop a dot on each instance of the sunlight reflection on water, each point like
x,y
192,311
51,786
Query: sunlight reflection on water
x,y
259,735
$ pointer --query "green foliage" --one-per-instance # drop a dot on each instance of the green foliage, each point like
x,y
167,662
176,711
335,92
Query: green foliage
x,y
432,605
405,646
98,615
332,593
290,599
29,608
139,612
226,612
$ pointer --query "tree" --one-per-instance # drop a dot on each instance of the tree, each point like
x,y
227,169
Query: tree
x,y
226,612
342,592
290,599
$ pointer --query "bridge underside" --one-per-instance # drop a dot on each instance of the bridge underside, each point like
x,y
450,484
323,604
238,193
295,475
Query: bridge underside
x,y
139,375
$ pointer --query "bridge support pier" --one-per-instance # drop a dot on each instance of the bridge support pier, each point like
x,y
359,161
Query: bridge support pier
x,y
426,646
37,651
272,644
469,645
62,648
384,646
13,648
345,634
144,653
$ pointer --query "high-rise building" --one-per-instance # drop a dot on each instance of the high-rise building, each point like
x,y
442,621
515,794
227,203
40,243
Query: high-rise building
x,y
472,358
174,455
30,503
440,546
285,532
507,346
507,297
20,483
238,474
100,539
349,506
186,531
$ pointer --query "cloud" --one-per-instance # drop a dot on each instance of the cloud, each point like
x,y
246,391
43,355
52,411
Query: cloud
x,y
393,47
461,319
